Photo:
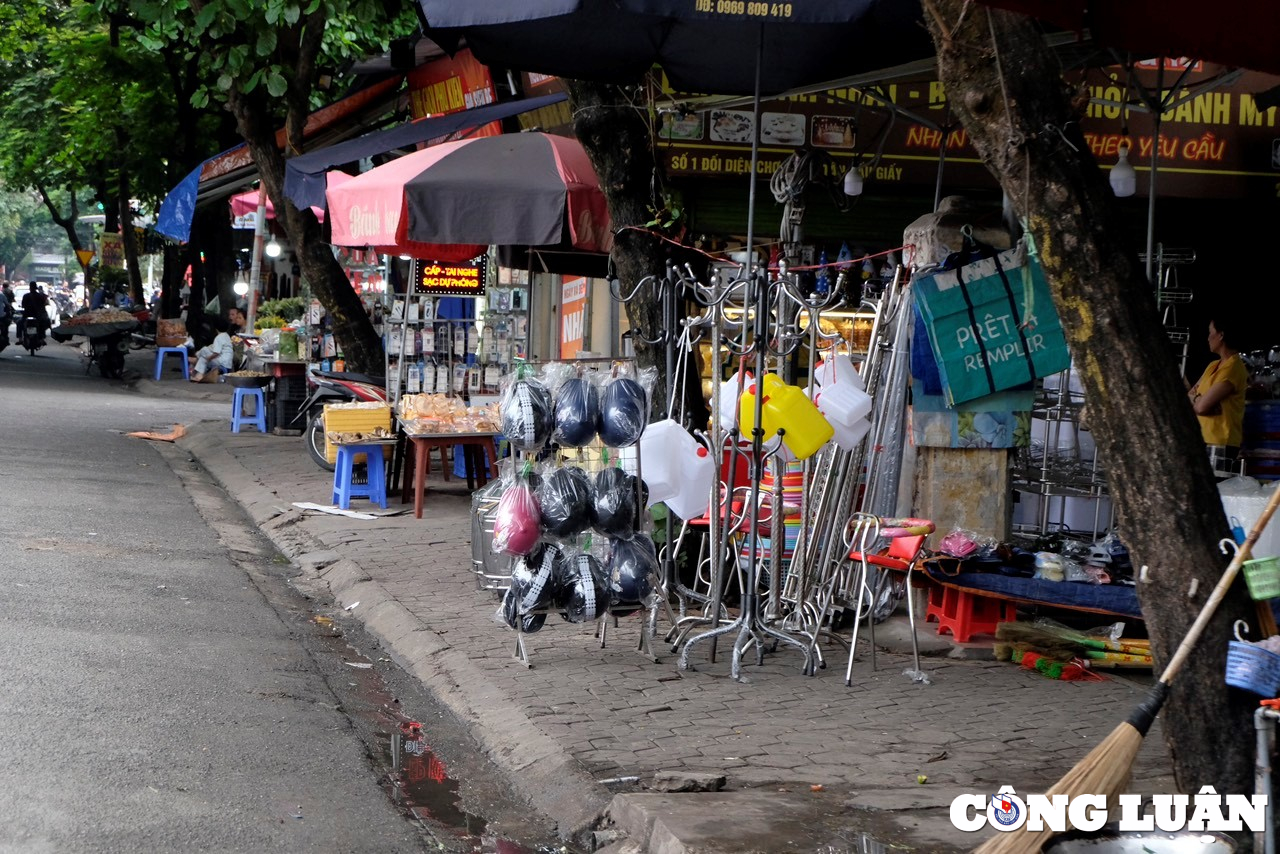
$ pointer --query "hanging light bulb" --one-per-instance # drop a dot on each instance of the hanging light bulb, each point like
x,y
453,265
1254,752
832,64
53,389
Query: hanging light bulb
x,y
1124,178
853,181
273,249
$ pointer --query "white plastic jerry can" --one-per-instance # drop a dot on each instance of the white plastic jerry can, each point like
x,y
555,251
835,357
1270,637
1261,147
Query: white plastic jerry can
x,y
676,468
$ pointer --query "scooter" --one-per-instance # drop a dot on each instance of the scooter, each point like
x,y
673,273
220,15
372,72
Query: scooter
x,y
333,387
30,335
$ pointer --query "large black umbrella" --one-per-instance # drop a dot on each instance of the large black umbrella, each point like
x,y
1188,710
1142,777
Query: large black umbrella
x,y
707,46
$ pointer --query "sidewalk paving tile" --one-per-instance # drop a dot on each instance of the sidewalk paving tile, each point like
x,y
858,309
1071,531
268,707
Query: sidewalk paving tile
x,y
604,707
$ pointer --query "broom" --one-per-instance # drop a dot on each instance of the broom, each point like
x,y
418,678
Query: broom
x,y
1105,771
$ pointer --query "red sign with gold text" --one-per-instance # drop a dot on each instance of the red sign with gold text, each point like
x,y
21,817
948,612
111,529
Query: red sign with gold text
x,y
449,85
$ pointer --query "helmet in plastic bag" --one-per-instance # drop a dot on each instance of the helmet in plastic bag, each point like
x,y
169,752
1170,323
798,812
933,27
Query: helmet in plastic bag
x,y
584,596
533,578
528,623
577,413
624,412
616,505
526,415
564,499
633,567
517,521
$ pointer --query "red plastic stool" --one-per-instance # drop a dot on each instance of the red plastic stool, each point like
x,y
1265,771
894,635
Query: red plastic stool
x,y
965,614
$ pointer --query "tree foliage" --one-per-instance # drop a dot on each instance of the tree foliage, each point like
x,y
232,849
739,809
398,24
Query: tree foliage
x,y
261,60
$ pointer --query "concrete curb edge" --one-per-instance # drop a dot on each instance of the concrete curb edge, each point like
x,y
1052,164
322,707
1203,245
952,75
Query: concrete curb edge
x,y
532,762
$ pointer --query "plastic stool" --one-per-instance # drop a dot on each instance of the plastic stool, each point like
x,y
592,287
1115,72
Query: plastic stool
x,y
180,352
259,416
966,614
344,487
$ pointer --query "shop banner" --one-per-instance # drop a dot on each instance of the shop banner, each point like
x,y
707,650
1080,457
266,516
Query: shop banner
x,y
992,325
111,250
573,317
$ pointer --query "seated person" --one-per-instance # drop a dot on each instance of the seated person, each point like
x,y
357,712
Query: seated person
x,y
220,355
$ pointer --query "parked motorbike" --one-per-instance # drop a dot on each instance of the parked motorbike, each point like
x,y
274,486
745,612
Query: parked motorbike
x,y
333,387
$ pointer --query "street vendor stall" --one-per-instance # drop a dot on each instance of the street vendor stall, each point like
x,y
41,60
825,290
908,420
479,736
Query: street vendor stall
x,y
107,332
437,421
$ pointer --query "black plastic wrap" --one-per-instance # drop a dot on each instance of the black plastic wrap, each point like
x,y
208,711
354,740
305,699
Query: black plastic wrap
x,y
624,412
527,414
534,576
565,499
577,413
583,592
632,570
617,503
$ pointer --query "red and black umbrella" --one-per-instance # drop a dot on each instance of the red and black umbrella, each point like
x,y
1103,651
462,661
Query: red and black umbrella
x,y
448,201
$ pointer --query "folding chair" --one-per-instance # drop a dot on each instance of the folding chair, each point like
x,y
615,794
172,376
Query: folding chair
x,y
906,543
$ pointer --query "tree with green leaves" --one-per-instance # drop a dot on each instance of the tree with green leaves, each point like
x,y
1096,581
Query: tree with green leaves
x,y
262,61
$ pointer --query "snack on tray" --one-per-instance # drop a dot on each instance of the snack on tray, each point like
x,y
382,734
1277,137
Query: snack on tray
x,y
440,413
248,374
98,315
356,438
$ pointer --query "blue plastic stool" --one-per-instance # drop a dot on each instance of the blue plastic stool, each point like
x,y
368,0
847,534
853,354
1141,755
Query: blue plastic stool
x,y
180,352
343,487
259,416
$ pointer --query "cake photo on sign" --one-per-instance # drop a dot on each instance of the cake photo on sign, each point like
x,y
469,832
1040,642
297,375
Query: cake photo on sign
x,y
782,128
731,126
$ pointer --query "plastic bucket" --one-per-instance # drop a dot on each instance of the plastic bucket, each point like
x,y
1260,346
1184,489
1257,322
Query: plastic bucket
x,y
1253,669
1262,575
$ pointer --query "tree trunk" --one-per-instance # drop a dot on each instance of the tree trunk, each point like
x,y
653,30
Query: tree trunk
x,y
352,327
617,140
1024,127
129,237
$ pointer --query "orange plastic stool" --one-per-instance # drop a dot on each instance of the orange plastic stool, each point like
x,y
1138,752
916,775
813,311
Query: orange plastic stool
x,y
965,614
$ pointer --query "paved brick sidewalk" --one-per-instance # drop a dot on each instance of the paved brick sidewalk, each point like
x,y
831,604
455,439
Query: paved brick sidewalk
x,y
583,713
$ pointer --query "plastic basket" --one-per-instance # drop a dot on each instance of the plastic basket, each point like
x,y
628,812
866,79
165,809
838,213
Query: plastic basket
x,y
1263,577
1253,668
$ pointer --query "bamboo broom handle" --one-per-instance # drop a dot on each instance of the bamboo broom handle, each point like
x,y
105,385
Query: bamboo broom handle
x,y
1220,590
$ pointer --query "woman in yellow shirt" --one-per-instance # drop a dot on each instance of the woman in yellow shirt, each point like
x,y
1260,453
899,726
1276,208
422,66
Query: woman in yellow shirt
x,y
1218,397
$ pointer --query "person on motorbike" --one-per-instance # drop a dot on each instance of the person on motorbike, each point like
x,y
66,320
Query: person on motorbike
x,y
35,306
220,355
6,315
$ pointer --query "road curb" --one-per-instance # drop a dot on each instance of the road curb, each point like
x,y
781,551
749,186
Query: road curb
x,y
533,763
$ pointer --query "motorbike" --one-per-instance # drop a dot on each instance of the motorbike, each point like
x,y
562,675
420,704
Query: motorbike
x,y
30,335
107,352
333,387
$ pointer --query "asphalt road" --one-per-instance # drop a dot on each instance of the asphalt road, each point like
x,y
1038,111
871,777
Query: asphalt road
x,y
162,686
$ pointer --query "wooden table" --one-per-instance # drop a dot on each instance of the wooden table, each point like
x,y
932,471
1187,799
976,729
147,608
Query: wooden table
x,y
474,446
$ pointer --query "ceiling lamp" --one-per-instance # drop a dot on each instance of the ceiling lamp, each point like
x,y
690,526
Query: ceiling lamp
x,y
273,249
1124,178
853,181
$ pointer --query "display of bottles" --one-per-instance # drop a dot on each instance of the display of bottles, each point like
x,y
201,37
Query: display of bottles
x,y
459,340
442,378
428,374
473,377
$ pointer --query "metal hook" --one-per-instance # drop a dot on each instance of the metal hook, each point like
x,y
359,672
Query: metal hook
x,y
1240,629
1226,545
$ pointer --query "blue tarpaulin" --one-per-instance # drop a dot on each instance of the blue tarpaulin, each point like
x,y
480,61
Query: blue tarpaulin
x,y
304,181
179,207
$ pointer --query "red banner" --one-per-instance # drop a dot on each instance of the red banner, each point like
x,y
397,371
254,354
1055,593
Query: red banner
x,y
448,85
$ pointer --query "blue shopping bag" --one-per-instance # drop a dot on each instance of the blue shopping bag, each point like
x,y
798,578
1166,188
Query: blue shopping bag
x,y
991,325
